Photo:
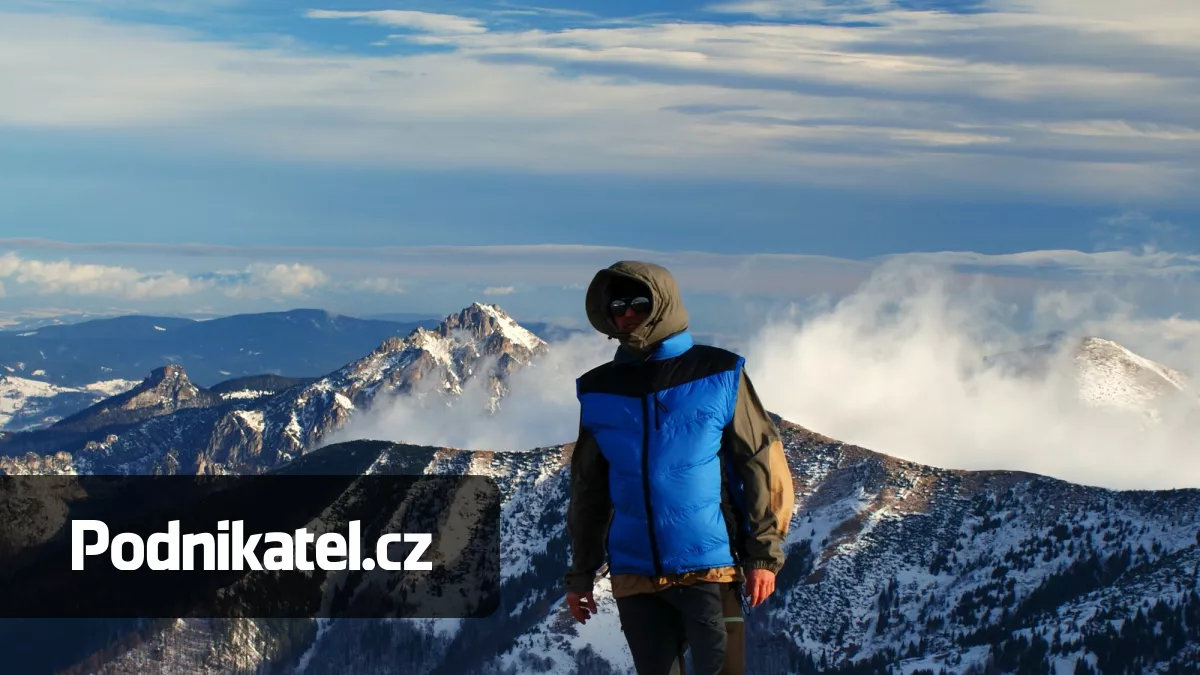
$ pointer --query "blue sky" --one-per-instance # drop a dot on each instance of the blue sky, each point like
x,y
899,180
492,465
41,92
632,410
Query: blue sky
x,y
853,131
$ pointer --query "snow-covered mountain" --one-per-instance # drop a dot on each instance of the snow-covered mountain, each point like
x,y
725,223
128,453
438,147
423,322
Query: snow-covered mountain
x,y
1111,375
29,403
298,342
165,391
254,434
1107,375
893,567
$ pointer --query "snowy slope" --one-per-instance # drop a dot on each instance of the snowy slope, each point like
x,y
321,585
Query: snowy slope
x,y
893,567
1107,375
1111,375
30,404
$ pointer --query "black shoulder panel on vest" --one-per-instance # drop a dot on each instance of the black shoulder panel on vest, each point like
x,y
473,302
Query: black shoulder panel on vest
x,y
626,379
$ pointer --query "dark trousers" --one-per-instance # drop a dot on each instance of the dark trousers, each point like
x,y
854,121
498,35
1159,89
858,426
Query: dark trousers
x,y
660,626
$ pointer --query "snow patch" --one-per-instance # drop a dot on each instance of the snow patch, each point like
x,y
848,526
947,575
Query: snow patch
x,y
111,387
243,394
252,419
437,347
512,330
34,399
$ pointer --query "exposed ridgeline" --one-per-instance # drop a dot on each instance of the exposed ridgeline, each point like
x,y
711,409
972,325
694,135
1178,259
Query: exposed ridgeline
x,y
167,390
1109,375
893,567
171,426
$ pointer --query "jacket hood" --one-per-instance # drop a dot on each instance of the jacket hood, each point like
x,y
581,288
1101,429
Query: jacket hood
x,y
667,316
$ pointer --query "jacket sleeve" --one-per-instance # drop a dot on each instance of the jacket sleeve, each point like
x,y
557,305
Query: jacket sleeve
x,y
588,514
757,456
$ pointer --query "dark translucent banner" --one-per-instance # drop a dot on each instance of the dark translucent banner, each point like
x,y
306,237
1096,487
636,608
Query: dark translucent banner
x,y
273,546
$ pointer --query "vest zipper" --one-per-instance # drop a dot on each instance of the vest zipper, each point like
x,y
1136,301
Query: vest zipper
x,y
646,483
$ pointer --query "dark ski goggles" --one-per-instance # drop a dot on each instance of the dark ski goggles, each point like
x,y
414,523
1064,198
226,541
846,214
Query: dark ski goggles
x,y
639,305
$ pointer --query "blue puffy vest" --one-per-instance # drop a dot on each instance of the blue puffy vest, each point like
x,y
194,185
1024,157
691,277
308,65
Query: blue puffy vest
x,y
660,424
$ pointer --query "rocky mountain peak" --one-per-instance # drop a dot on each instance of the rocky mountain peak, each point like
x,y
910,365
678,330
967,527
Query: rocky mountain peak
x,y
164,391
487,327
483,322
168,383
1111,375
169,375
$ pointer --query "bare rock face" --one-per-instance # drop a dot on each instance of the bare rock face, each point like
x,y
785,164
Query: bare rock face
x,y
165,391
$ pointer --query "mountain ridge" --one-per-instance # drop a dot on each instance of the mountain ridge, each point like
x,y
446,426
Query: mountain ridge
x,y
254,434
298,343
893,566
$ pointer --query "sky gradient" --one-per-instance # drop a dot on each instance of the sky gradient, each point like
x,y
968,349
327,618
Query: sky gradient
x,y
249,140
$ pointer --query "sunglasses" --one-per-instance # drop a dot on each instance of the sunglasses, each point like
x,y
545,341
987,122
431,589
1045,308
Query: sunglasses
x,y
639,305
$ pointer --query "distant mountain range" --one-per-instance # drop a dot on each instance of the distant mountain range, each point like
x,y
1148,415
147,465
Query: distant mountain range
x,y
57,369
30,404
168,424
297,343
894,567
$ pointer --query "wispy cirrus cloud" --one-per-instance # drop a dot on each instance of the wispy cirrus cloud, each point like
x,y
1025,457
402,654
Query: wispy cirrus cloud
x,y
427,22
1059,100
68,278
381,285
795,9
500,270
1148,263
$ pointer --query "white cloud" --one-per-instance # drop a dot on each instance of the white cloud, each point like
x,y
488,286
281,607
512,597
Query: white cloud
x,y
265,279
1066,101
794,9
1165,274
499,290
428,22
898,368
540,409
382,285
1151,263
63,276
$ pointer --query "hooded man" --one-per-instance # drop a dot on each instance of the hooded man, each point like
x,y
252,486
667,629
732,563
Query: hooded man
x,y
678,477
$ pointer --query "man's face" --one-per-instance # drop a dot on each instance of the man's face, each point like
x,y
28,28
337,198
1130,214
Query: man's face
x,y
629,313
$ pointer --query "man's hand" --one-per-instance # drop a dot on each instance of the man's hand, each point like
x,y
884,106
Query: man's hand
x,y
760,583
582,606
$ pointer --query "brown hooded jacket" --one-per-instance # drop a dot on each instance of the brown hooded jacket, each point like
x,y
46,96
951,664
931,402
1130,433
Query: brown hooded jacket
x,y
751,443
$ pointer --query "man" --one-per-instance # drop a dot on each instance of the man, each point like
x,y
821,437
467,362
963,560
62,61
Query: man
x,y
678,477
